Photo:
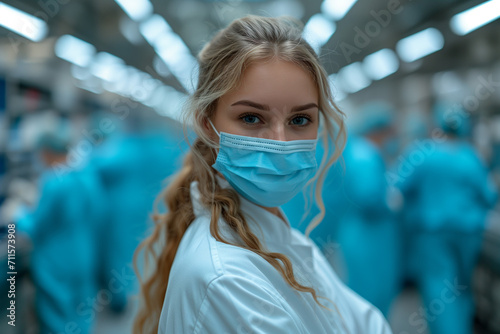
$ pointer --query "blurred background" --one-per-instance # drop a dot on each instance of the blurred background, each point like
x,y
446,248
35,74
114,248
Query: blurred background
x,y
90,99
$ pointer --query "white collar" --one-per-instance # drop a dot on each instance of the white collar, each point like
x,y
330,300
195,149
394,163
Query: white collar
x,y
264,224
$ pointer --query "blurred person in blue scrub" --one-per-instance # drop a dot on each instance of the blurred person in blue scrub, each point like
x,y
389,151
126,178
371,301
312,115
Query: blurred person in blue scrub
x,y
63,230
357,218
447,196
368,233
132,165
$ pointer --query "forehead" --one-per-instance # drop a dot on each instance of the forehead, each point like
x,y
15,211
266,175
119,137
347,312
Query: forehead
x,y
276,83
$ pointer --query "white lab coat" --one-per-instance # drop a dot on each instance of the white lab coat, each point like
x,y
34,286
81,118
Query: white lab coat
x,y
219,288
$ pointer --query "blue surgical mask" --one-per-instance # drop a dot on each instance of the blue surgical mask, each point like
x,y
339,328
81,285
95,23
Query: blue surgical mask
x,y
264,171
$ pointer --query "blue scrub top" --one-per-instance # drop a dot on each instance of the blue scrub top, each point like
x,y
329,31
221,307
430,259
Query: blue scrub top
x,y
448,189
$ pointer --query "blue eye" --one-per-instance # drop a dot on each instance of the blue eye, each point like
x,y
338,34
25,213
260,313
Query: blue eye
x,y
300,121
250,119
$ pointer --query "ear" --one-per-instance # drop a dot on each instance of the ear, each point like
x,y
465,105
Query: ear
x,y
206,126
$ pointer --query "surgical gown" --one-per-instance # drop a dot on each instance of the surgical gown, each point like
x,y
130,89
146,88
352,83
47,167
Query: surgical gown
x,y
64,229
132,168
447,196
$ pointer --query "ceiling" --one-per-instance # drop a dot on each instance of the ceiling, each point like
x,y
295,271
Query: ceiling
x,y
195,21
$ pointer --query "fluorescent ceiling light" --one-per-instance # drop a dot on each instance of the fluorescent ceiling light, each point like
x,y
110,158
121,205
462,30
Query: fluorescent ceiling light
x,y
91,84
154,28
137,10
130,30
420,44
80,73
174,52
337,9
172,102
475,17
89,88
138,85
74,50
380,64
160,67
352,78
171,49
182,66
22,23
318,31
106,66
337,93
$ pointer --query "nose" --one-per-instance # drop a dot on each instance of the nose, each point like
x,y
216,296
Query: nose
x,y
278,133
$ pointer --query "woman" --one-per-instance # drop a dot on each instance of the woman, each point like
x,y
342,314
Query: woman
x,y
226,258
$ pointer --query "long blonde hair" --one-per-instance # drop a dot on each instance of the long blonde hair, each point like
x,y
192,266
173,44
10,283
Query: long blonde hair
x,y
222,61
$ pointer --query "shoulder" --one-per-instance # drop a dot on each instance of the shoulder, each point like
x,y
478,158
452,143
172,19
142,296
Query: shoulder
x,y
213,284
235,303
201,258
359,315
231,304
194,265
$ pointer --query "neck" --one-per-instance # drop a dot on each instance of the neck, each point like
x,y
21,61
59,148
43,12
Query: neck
x,y
275,211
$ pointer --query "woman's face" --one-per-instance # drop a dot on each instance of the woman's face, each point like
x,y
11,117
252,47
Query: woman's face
x,y
276,100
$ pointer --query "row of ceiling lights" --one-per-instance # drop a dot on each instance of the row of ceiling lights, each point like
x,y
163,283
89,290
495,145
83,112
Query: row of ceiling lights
x,y
172,50
359,75
111,72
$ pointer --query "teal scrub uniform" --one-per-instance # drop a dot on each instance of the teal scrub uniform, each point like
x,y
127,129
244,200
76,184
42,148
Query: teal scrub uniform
x,y
447,197
132,169
64,229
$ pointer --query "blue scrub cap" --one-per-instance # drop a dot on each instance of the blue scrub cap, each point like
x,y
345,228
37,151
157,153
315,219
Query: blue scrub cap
x,y
53,142
374,116
452,118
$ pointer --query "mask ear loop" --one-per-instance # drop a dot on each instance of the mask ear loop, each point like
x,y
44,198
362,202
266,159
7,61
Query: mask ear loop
x,y
213,127
217,150
217,132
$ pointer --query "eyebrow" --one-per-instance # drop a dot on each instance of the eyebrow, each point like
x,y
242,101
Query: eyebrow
x,y
266,107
